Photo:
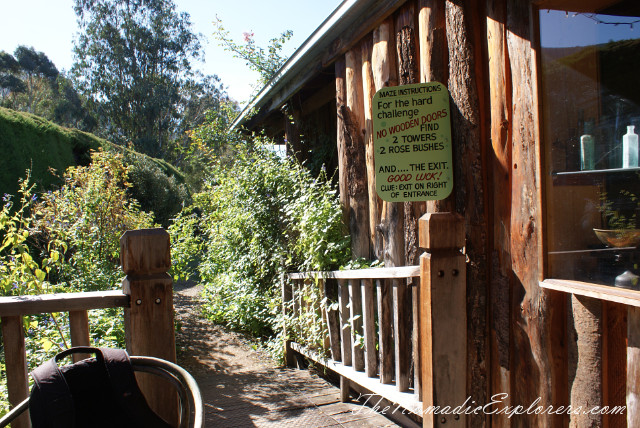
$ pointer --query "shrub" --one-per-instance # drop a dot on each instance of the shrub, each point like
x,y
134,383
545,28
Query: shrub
x,y
68,240
155,191
258,218
90,212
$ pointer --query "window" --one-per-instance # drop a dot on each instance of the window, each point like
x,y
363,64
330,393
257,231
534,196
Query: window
x,y
590,68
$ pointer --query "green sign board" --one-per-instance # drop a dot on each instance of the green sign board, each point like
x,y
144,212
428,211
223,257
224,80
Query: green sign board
x,y
412,142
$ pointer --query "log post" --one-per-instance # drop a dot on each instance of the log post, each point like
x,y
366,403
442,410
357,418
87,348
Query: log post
x,y
500,179
443,317
353,120
149,327
341,100
16,363
633,366
375,203
585,359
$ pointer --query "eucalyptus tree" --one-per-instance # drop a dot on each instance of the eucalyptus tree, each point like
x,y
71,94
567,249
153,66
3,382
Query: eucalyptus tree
x,y
9,82
133,58
29,77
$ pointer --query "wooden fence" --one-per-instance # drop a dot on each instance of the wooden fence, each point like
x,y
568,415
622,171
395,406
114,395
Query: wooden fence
x,y
147,299
397,332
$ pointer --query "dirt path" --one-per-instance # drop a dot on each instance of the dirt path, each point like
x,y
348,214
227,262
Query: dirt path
x,y
243,388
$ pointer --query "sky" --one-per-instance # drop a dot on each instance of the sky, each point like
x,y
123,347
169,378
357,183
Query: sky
x,y
561,29
49,26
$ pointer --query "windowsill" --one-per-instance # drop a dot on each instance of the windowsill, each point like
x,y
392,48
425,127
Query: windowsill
x,y
588,177
596,291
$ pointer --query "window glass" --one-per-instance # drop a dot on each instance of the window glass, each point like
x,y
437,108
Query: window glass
x,y
590,64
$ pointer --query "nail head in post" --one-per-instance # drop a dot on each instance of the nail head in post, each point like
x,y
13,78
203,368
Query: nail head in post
x,y
158,300
443,420
455,272
139,302
440,273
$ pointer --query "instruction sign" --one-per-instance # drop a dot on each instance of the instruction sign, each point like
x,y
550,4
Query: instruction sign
x,y
412,142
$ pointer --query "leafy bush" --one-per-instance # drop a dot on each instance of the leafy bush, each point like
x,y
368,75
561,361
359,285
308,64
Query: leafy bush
x,y
155,191
258,218
68,241
90,212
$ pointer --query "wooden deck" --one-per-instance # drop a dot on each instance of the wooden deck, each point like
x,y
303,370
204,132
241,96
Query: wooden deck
x,y
241,388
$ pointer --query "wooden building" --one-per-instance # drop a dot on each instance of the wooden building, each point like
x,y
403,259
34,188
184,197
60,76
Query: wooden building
x,y
537,88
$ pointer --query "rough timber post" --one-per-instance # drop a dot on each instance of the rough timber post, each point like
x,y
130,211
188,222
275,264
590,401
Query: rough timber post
x,y
149,328
443,318
17,378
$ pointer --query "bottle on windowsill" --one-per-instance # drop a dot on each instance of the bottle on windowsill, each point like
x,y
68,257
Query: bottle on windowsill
x,y
587,148
630,148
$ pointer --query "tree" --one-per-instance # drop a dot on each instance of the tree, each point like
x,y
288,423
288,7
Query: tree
x,y
9,83
132,59
37,70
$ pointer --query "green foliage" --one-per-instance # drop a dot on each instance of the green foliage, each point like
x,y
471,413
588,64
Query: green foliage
x,y
259,217
68,240
621,211
265,61
208,142
30,82
27,138
20,271
31,142
90,212
157,193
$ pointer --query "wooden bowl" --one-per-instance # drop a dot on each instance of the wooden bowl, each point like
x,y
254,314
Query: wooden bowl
x,y
619,237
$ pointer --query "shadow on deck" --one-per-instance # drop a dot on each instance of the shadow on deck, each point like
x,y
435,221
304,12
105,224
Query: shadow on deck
x,y
242,388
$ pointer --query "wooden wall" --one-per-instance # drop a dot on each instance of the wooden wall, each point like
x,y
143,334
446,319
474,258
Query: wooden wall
x,y
526,345
484,51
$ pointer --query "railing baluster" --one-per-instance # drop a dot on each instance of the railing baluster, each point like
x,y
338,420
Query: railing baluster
x,y
79,328
333,319
368,314
401,333
16,365
415,337
355,299
296,306
385,330
345,327
287,302
323,313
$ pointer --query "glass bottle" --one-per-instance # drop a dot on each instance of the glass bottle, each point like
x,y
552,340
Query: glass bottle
x,y
587,148
630,148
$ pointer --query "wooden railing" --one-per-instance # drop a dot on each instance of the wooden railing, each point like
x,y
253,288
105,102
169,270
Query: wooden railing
x,y
384,364
147,299
412,321
604,342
